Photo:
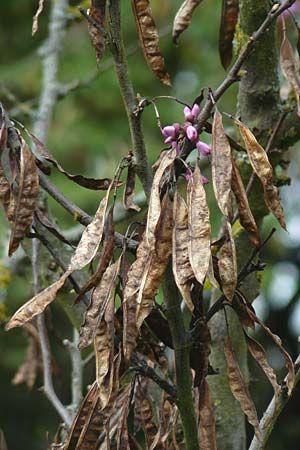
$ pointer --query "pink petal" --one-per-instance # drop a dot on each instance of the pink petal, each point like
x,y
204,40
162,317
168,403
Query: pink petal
x,y
192,133
168,139
203,148
169,130
195,110
204,179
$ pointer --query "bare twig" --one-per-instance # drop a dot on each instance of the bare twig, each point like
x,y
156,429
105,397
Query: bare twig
x,y
77,372
128,94
272,413
45,347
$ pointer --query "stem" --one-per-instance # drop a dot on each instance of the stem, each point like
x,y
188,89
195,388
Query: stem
x,y
45,347
128,95
77,372
181,342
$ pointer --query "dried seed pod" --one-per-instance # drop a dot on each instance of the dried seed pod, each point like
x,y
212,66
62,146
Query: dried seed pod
x,y
183,17
229,18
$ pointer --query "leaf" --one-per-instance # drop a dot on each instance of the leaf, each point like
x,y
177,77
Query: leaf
x,y
104,353
128,202
199,226
28,190
35,22
88,405
288,361
91,238
149,39
207,425
97,33
182,269
144,277
229,18
228,265
37,304
245,215
99,301
259,354
239,388
289,68
263,169
183,18
154,209
221,164
32,364
51,226
105,257
83,255
89,183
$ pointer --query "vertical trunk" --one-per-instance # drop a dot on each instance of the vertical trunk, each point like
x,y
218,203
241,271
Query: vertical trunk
x,y
258,101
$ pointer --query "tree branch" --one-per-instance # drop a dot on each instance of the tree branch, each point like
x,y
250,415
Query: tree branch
x,y
128,95
181,342
271,414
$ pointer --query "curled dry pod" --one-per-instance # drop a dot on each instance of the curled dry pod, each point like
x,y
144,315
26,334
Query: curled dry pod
x,y
199,227
228,265
28,190
207,425
5,193
239,387
149,39
263,169
154,209
99,301
85,252
182,269
289,68
221,164
245,215
229,18
129,191
97,33
183,17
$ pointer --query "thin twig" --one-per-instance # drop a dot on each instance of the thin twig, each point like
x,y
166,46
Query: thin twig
x,y
45,347
272,413
77,372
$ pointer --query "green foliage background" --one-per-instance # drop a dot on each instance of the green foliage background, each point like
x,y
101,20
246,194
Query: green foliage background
x,y
89,134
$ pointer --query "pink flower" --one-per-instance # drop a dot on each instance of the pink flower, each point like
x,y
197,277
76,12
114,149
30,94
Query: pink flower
x,y
188,176
175,145
203,148
191,114
192,133
204,179
169,131
295,8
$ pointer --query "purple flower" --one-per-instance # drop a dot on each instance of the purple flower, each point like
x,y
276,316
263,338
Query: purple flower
x,y
169,131
191,114
203,148
175,145
188,176
192,133
204,179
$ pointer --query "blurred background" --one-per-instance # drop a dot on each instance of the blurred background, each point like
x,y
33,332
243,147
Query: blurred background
x,y
89,135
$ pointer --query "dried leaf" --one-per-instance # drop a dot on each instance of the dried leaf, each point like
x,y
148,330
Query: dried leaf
x,y
144,277
239,388
154,209
263,169
104,353
129,191
105,257
199,226
35,22
3,445
122,431
91,238
245,215
221,164
97,33
229,18
5,193
88,405
27,198
288,361
183,17
289,68
37,304
99,301
228,265
51,226
32,364
182,269
149,39
241,308
207,425
259,354
89,183
83,255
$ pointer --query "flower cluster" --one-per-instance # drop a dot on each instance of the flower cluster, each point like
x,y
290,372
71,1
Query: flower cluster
x,y
174,131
